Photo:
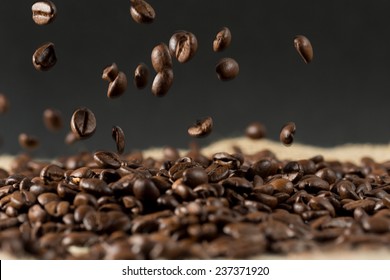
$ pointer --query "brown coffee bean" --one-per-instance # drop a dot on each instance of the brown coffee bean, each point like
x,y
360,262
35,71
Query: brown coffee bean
x,y
142,12
145,190
118,86
238,184
80,239
52,172
36,214
195,176
282,185
67,191
161,58
28,141
44,58
183,45
217,172
110,72
255,130
52,119
4,103
222,40
346,189
293,171
81,211
312,183
43,12
231,161
201,128
227,69
304,48
287,134
107,160
20,199
57,208
95,186
265,168
366,204
70,138
119,137
327,174
141,76
376,224
321,203
45,198
83,123
162,82
8,223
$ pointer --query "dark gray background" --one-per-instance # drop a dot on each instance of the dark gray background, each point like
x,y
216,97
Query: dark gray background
x,y
342,96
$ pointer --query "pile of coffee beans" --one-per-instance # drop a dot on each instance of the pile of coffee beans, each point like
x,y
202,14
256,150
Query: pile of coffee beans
x,y
106,206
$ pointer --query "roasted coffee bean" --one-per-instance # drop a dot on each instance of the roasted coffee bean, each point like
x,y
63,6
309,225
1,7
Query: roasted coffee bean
x,y
376,224
67,191
44,58
265,168
161,58
195,176
183,192
141,76
81,211
119,137
304,48
4,103
282,185
52,172
141,11
312,183
222,40
36,214
183,45
346,189
110,72
227,69
366,204
57,208
84,199
70,138
83,123
255,130
327,174
217,172
80,239
79,173
109,176
162,82
8,223
22,198
107,160
43,12
293,171
28,141
268,200
238,184
321,203
45,198
118,86
52,119
95,186
287,134
231,161
201,128
145,190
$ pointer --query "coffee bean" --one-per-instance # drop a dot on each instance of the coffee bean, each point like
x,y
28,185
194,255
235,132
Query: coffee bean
x,y
43,12
142,12
52,119
238,184
141,76
110,72
312,183
4,103
376,224
195,176
70,138
222,40
162,82
161,58
28,141
145,190
36,214
20,199
119,137
118,86
95,186
366,204
81,211
52,172
201,128
255,130
57,208
83,123
304,48
287,134
183,45
44,58
107,159
80,239
227,69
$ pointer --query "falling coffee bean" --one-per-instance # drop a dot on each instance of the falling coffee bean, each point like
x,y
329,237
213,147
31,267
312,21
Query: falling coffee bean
x,y
28,141
4,103
70,138
52,119
227,69
119,137
161,58
287,134
44,58
141,76
183,45
222,40
141,11
162,83
117,87
110,72
202,128
83,123
43,12
255,130
304,48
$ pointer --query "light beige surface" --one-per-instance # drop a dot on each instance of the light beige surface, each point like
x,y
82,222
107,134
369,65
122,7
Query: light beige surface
x,y
348,152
